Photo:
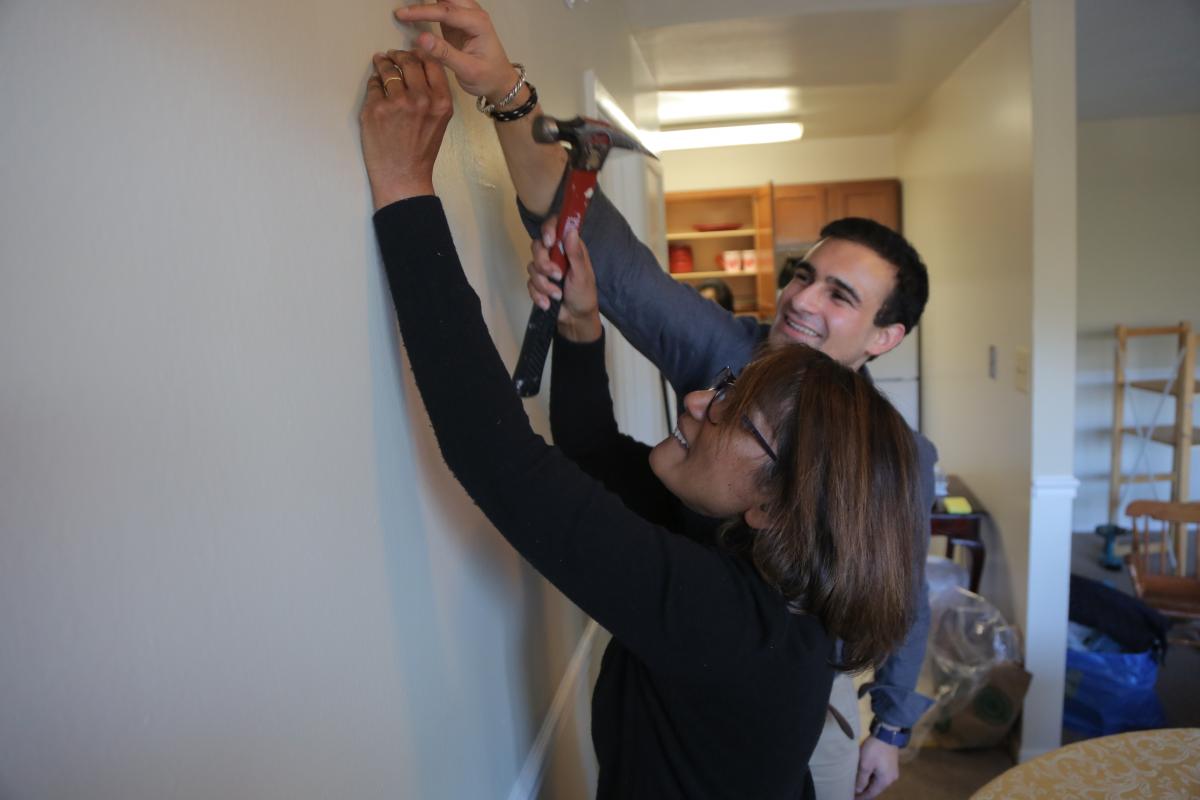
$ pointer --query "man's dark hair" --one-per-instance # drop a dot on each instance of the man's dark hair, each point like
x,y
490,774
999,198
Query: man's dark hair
x,y
908,298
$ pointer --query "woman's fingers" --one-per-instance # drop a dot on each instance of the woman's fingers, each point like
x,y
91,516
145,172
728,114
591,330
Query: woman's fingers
x,y
389,73
577,256
542,261
435,74
542,284
411,69
374,91
539,299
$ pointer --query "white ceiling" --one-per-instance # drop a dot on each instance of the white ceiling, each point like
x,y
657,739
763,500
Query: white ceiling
x,y
860,66
1138,58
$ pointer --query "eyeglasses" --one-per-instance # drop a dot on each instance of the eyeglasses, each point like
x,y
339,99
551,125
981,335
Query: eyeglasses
x,y
721,385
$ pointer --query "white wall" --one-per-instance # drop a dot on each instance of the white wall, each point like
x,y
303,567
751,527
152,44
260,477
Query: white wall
x,y
803,161
1053,484
1139,264
987,166
965,160
231,562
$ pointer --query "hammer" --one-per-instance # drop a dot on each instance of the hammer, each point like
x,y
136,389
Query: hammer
x,y
589,141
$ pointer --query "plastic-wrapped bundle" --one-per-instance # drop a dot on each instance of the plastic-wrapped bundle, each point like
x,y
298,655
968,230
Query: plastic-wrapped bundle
x,y
973,662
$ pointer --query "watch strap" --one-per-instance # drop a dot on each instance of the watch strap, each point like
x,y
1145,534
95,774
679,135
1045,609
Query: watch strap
x,y
890,735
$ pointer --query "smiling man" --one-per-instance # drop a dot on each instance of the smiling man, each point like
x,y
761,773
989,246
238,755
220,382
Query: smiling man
x,y
855,295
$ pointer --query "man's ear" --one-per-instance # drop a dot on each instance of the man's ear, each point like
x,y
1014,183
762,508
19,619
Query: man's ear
x,y
885,339
756,516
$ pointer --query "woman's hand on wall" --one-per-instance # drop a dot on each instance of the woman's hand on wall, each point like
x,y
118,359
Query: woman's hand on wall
x,y
469,46
403,120
579,315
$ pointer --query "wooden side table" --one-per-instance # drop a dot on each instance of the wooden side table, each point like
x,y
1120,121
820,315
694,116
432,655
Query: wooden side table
x,y
961,530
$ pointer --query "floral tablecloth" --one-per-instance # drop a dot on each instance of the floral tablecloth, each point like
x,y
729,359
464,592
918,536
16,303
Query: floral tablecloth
x,y
1159,764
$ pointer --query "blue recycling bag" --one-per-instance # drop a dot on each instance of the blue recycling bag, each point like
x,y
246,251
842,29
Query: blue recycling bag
x,y
1111,692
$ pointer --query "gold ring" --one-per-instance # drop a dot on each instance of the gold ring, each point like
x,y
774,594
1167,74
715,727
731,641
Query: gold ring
x,y
399,77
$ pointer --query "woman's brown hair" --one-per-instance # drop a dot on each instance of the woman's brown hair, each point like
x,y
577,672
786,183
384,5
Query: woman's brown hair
x,y
845,498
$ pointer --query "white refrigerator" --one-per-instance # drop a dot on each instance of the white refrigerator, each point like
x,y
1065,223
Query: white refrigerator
x,y
898,376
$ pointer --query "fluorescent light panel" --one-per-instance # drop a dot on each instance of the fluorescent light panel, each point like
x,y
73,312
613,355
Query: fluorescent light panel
x,y
726,136
681,108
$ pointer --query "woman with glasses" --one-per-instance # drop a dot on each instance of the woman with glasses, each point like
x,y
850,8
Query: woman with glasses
x,y
716,679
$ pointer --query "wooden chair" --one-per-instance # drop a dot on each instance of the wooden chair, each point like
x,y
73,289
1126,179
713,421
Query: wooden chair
x,y
1165,561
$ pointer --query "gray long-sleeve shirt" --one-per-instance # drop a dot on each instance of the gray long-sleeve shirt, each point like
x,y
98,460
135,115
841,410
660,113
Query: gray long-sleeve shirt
x,y
690,339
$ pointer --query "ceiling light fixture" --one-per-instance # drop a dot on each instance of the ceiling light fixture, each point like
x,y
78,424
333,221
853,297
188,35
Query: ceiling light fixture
x,y
725,136
680,108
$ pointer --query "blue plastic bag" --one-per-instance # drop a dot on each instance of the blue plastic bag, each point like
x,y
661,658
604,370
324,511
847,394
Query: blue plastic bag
x,y
1111,692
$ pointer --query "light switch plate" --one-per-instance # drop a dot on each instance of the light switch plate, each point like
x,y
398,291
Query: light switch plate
x,y
1023,369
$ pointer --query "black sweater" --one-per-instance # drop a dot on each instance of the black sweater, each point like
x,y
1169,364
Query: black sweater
x,y
710,686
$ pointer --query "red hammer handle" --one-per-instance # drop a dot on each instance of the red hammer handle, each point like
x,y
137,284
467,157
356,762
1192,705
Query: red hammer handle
x,y
539,332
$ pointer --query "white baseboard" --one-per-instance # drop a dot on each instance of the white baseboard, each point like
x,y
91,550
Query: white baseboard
x,y
529,781
1025,754
1061,486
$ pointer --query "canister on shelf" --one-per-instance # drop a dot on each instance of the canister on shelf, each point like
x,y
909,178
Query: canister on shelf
x,y
679,258
731,260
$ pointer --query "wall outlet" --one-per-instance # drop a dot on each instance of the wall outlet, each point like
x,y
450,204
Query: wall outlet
x,y
1023,370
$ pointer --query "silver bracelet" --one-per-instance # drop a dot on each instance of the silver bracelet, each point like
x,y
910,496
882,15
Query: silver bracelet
x,y
482,105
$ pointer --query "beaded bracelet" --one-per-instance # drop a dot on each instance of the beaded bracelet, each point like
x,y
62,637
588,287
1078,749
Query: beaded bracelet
x,y
521,111
489,109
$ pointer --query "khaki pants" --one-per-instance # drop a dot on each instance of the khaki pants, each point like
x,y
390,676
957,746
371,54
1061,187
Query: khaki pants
x,y
834,764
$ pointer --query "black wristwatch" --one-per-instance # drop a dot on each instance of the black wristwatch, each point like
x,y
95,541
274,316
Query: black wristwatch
x,y
890,734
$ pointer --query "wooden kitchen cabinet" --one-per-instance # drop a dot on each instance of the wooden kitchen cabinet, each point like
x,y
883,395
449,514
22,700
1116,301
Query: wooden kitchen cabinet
x,y
801,210
877,200
800,213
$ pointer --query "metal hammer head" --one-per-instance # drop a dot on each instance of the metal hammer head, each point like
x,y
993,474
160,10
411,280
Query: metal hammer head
x,y
590,139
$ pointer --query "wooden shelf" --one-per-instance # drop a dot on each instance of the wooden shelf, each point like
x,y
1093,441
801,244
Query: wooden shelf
x,y
1160,477
737,233
700,276
750,208
1165,434
1159,386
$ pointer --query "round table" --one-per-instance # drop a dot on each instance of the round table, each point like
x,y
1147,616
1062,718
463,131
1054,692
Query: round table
x,y
1158,764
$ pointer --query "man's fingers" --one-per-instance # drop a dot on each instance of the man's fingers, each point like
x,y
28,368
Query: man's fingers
x,y
445,53
861,782
465,18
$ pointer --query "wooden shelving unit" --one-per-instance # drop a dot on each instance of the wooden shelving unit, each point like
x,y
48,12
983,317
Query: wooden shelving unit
x,y
750,210
1181,434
